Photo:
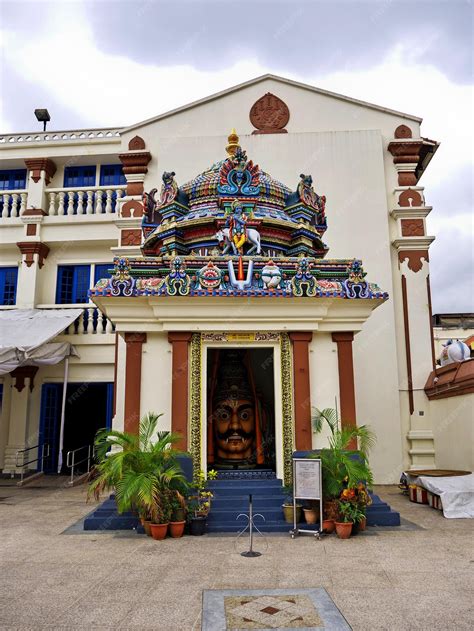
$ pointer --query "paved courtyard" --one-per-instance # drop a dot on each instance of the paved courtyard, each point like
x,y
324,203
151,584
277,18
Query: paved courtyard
x,y
420,577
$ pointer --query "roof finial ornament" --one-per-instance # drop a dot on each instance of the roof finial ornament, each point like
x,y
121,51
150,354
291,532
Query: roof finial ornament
x,y
233,141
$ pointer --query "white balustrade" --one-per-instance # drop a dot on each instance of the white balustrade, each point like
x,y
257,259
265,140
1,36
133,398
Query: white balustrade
x,y
84,201
12,204
90,322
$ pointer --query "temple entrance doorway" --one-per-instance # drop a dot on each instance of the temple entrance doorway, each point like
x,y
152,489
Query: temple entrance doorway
x,y
240,409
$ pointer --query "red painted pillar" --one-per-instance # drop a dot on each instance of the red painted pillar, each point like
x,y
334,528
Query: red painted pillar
x,y
345,361
133,377
180,386
302,394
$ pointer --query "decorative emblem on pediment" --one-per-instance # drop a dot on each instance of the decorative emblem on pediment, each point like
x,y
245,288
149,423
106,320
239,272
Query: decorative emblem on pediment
x,y
269,115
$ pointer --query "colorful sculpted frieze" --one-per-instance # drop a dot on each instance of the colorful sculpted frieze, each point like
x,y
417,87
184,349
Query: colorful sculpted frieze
x,y
201,276
235,231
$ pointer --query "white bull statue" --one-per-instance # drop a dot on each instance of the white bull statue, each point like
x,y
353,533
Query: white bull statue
x,y
253,236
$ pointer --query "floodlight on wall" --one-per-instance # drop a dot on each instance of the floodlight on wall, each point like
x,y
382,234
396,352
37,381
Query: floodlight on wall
x,y
42,115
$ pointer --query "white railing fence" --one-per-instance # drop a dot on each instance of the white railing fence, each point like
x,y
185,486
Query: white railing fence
x,y
13,204
91,320
84,200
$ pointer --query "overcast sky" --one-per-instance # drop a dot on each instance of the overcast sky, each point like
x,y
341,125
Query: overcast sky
x,y
414,56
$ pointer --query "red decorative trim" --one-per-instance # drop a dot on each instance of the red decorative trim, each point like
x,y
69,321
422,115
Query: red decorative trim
x,y
451,381
130,237
412,228
430,312
22,373
405,152
180,385
31,230
133,377
407,344
136,144
115,373
135,163
345,364
132,208
34,212
30,248
269,115
36,165
410,198
302,390
414,257
403,131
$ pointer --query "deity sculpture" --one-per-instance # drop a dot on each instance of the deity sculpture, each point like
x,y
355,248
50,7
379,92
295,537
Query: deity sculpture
x,y
309,197
169,189
234,413
237,224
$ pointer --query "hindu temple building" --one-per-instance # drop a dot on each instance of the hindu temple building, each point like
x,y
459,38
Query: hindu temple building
x,y
230,264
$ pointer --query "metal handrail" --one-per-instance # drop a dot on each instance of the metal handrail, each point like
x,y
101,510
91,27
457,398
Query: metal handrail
x,y
44,455
71,460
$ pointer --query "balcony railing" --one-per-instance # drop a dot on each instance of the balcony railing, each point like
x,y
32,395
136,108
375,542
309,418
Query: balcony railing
x,y
79,135
12,204
90,322
84,200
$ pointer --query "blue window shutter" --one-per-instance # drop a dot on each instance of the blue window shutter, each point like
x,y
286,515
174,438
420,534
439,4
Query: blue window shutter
x,y
79,176
102,271
111,175
12,179
82,277
73,284
8,285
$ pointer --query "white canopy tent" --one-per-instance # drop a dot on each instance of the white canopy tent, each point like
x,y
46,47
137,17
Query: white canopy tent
x,y
25,340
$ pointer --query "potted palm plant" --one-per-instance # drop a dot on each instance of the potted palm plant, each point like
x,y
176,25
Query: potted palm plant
x,y
343,465
161,514
178,515
139,468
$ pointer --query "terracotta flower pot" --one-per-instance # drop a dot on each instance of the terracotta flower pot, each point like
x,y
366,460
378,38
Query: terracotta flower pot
x,y
328,526
363,524
311,515
158,531
177,528
147,527
343,529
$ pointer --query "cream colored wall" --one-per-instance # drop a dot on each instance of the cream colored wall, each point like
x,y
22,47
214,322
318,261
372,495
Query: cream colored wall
x,y
453,428
309,111
156,378
324,379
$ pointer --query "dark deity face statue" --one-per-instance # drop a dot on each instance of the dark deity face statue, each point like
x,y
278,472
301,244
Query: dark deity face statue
x,y
234,413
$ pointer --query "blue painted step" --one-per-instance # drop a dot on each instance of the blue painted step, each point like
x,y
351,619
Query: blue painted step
x,y
231,499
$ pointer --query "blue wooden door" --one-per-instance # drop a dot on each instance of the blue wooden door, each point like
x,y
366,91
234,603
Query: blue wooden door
x,y
51,395
110,405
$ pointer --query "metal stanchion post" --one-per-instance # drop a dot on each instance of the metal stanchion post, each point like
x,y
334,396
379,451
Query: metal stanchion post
x,y
250,552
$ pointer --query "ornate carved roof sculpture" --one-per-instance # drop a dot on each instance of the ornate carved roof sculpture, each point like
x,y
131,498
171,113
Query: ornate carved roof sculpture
x,y
235,230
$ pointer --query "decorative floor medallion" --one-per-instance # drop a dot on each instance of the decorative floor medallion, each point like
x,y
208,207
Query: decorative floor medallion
x,y
271,610
274,612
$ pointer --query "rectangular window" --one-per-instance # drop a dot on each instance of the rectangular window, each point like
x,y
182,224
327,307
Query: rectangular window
x,y
101,271
73,283
13,180
112,175
79,176
8,282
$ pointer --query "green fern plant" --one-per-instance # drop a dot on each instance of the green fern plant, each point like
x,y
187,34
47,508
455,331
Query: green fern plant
x,y
342,465
141,469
